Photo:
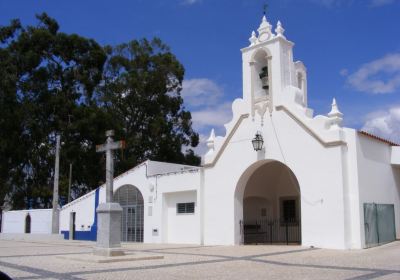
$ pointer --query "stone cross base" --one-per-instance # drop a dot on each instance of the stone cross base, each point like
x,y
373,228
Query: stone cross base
x,y
108,252
109,230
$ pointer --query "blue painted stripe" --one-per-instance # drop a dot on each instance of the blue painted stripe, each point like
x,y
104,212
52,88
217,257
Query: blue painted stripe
x,y
89,234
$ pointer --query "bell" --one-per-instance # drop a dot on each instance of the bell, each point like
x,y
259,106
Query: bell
x,y
264,78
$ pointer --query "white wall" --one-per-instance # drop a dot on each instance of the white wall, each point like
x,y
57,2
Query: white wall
x,y
318,169
181,228
152,189
396,156
14,221
379,181
84,207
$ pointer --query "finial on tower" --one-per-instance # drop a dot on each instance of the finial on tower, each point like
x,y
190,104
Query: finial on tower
x,y
279,29
335,115
210,141
264,31
253,39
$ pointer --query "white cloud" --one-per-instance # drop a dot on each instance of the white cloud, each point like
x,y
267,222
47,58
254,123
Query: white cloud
x,y
212,117
340,3
208,118
209,109
202,148
379,3
332,3
377,77
385,123
190,2
200,92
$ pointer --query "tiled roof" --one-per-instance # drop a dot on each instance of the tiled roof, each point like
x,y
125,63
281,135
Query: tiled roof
x,y
378,138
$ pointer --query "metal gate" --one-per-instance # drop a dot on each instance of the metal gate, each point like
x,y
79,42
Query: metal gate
x,y
379,224
132,222
270,231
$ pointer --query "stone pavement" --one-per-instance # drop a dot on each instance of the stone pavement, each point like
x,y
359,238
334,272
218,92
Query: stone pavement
x,y
25,260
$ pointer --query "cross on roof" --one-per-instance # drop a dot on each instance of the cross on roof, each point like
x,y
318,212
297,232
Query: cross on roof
x,y
265,7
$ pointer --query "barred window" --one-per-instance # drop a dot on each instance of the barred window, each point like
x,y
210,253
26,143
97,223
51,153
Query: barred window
x,y
185,208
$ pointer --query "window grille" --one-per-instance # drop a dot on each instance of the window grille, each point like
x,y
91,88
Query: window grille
x,y
185,208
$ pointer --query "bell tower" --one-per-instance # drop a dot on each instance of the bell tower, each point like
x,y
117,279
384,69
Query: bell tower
x,y
270,76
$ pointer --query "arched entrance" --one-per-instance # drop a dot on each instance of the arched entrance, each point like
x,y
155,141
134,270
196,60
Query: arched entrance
x,y
132,222
28,224
269,196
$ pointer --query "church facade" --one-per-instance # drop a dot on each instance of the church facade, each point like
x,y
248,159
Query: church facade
x,y
279,175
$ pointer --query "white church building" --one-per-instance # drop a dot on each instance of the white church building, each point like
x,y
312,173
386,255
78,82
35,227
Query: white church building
x,y
279,175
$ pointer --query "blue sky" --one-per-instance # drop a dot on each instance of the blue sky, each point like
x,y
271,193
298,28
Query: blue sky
x,y
351,48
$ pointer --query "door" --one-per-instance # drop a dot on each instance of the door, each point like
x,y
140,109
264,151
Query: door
x,y
28,224
379,224
72,217
132,224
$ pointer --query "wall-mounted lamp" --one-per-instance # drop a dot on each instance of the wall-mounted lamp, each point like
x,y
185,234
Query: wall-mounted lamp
x,y
258,142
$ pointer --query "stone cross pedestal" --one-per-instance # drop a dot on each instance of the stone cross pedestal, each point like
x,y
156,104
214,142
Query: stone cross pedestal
x,y
109,213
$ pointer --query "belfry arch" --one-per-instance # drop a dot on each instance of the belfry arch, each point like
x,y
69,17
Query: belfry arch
x,y
268,205
132,222
261,75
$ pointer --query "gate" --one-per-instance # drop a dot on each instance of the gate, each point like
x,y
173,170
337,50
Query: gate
x,y
132,220
132,224
270,231
379,224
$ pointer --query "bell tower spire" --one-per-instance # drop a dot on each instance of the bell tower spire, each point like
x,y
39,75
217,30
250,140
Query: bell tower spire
x,y
270,75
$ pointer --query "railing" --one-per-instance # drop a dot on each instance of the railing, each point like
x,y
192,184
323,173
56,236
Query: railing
x,y
270,231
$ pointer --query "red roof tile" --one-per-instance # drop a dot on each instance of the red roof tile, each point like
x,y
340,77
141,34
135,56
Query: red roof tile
x,y
378,138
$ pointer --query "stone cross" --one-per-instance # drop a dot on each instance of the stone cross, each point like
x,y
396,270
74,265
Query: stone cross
x,y
108,147
109,213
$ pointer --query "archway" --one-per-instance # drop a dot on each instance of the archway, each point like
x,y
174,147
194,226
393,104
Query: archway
x,y
268,198
132,222
28,224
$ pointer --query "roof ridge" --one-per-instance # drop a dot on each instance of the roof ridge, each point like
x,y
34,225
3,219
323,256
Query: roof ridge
x,y
378,138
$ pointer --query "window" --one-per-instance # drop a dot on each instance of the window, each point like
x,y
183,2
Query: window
x,y
299,80
289,210
263,212
185,208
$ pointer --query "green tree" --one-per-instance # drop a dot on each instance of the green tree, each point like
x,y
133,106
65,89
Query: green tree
x,y
48,78
141,90
56,83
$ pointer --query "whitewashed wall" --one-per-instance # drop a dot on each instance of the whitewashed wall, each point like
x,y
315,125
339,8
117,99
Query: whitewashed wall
x,y
379,181
318,170
84,207
168,188
152,189
181,228
14,221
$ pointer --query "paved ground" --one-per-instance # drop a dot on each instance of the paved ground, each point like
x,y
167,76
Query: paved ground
x,y
38,260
